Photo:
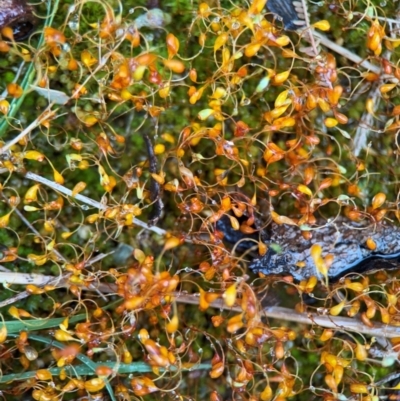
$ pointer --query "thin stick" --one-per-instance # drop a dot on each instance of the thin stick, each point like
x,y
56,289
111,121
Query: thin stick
x,y
346,53
285,314
364,127
86,200
36,232
310,30
25,278
27,130
62,281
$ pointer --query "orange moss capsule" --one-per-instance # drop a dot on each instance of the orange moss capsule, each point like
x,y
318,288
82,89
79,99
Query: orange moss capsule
x,y
371,244
175,65
326,335
172,45
104,371
217,370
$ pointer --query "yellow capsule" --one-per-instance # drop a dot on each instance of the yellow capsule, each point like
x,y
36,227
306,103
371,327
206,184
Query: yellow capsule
x,y
235,323
31,194
127,357
324,105
139,72
378,200
175,65
311,102
94,385
172,325
34,155
266,394
61,335
282,99
33,289
371,244
278,219
385,316
44,374
330,122
58,178
385,88
361,352
252,49
335,310
171,242
281,77
204,10
277,112
220,41
79,187
357,287
143,335
202,39
304,189
369,106
160,178
13,311
87,59
48,225
256,7
172,45
282,40
219,93
83,165
338,373
330,381
322,25
234,223
326,335
159,149
359,388
164,92
229,296
63,375
38,260
3,334
4,106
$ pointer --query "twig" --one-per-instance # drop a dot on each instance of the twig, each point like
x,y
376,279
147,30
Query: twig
x,y
62,281
310,30
285,314
27,130
25,278
86,200
333,322
388,378
346,53
36,232
364,127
